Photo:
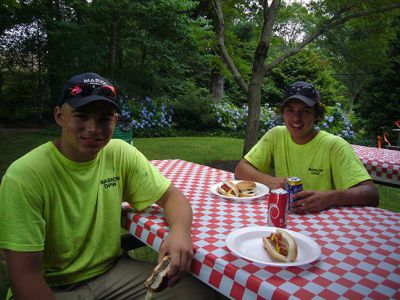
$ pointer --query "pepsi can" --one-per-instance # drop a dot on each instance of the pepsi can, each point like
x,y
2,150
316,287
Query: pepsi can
x,y
293,186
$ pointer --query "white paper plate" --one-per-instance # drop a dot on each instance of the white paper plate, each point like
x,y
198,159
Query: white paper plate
x,y
247,243
261,190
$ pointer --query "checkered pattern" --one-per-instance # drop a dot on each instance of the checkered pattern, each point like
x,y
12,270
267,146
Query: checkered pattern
x,y
360,246
382,164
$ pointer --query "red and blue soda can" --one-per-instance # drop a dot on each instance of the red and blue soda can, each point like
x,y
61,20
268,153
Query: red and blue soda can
x,y
278,208
293,186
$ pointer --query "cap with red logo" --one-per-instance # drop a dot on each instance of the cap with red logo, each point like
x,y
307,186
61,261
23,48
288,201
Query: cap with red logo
x,y
86,88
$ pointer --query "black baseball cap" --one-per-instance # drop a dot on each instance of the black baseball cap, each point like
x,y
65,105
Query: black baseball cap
x,y
302,91
86,88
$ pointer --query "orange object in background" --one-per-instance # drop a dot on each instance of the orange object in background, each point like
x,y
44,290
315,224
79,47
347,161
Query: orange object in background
x,y
379,141
385,138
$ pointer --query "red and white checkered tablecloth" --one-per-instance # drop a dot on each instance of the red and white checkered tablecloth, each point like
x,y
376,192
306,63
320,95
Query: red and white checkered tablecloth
x,y
360,245
382,164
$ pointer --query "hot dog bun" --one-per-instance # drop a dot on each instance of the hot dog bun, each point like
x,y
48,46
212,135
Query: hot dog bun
x,y
228,188
276,244
157,281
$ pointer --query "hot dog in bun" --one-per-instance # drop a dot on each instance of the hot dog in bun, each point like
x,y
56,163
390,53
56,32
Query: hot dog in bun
x,y
157,281
281,246
246,188
228,188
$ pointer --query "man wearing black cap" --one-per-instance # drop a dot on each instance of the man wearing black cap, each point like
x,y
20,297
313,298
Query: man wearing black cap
x,y
332,174
60,208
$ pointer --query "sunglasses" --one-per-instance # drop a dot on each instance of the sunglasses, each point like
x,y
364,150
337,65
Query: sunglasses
x,y
308,91
84,90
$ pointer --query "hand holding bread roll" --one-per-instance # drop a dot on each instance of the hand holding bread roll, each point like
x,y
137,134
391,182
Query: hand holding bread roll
x,y
157,281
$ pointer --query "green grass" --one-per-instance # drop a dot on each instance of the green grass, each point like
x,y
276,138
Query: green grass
x,y
15,144
196,149
389,197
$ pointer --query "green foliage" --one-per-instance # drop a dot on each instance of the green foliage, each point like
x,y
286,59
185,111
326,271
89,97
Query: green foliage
x,y
310,66
338,122
146,117
192,108
379,103
161,45
195,115
232,118
20,101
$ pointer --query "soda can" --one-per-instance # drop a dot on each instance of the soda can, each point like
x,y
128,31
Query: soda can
x,y
278,208
293,186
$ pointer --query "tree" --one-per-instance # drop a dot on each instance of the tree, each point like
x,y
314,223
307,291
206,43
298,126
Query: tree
x,y
22,49
326,15
146,47
379,102
359,50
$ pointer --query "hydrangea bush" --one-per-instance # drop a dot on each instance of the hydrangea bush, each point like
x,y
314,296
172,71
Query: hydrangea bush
x,y
148,116
233,118
151,118
339,122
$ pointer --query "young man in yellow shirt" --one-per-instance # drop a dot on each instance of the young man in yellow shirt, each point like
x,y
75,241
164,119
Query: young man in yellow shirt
x,y
60,208
332,174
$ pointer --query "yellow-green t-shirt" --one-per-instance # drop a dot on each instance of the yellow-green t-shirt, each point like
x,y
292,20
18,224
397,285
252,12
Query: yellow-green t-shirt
x,y
72,211
325,163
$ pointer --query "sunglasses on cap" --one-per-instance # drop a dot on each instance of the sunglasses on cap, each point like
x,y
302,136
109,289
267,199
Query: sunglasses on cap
x,y
85,89
305,90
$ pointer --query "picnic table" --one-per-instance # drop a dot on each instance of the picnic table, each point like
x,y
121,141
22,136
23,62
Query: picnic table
x,y
382,164
360,246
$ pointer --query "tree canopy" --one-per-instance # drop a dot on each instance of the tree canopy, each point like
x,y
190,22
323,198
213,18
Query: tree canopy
x,y
237,51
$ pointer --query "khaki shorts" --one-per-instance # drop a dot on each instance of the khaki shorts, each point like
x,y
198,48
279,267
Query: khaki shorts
x,y
125,281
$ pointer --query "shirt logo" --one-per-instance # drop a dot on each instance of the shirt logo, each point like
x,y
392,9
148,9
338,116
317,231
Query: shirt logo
x,y
316,172
109,182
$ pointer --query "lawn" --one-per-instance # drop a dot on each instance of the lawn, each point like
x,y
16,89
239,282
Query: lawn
x,y
197,149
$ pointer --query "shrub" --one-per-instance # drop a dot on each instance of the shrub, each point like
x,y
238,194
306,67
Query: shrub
x,y
148,117
193,112
338,122
233,118
197,115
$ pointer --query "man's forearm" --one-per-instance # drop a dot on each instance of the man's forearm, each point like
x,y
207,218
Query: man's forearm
x,y
177,209
31,286
244,170
27,281
364,194
178,214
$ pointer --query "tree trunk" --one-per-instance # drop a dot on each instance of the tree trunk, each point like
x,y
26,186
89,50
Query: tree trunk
x,y
52,56
1,87
119,51
351,102
253,119
217,85
113,48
